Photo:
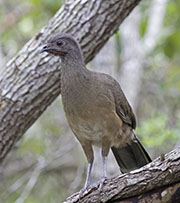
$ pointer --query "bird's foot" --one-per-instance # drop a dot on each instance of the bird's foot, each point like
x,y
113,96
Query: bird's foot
x,y
83,190
103,179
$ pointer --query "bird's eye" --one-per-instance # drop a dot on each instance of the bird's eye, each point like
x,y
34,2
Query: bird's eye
x,y
59,43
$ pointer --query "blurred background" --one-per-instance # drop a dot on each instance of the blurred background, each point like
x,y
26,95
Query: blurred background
x,y
48,164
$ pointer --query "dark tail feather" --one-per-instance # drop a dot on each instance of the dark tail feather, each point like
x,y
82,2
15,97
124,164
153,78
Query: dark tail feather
x,y
131,156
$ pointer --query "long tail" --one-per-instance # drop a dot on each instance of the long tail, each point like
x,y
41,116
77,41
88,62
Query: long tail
x,y
131,156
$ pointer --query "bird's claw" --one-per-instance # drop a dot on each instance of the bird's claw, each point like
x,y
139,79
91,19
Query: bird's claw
x,y
103,179
83,190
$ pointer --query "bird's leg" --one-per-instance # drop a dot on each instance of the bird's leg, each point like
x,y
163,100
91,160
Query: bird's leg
x,y
104,176
105,151
88,175
104,167
87,182
87,147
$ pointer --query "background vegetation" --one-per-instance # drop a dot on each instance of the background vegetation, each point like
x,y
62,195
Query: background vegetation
x,y
48,163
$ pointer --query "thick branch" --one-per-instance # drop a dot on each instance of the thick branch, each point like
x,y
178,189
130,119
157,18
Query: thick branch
x,y
161,177
31,81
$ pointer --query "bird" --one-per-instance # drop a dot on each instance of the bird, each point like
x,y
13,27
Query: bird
x,y
96,109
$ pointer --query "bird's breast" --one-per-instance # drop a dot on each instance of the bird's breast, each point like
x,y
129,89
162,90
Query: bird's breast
x,y
93,123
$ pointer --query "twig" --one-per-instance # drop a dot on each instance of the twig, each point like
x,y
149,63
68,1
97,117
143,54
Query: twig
x,y
31,183
15,186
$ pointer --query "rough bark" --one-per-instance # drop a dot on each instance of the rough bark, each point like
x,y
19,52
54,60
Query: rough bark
x,y
31,81
157,182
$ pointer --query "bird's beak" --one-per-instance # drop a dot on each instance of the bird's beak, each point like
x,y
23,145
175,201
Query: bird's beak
x,y
44,48
51,50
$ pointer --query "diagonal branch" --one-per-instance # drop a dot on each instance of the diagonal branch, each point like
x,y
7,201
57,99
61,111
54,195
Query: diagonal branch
x,y
160,177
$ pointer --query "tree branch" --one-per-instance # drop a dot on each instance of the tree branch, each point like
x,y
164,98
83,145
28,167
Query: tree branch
x,y
159,180
31,81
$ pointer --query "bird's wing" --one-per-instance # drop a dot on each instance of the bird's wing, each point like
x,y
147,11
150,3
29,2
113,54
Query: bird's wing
x,y
123,109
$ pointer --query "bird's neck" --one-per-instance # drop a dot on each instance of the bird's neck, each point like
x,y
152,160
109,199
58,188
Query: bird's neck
x,y
73,74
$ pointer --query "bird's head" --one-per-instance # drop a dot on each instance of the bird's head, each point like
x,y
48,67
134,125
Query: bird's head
x,y
63,45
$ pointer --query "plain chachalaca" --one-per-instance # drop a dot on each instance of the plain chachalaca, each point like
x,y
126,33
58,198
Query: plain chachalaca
x,y
96,109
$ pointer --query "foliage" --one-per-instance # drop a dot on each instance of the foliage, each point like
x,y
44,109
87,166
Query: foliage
x,y
20,20
154,132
